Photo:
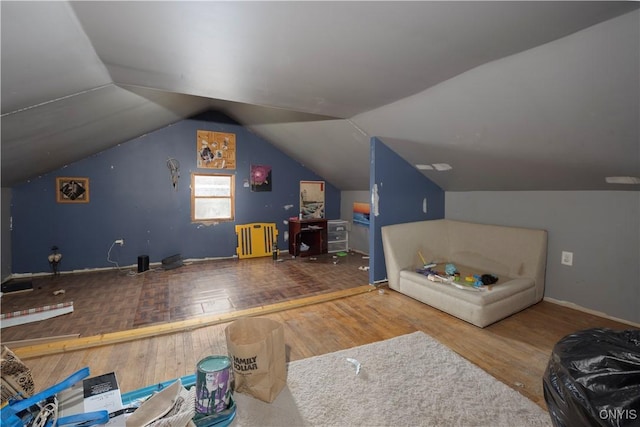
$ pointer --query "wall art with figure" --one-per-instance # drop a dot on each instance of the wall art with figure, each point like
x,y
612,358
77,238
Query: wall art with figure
x,y
216,150
72,190
260,178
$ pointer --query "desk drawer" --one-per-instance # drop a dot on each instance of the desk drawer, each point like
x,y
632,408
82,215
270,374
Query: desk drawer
x,y
337,235
337,246
336,226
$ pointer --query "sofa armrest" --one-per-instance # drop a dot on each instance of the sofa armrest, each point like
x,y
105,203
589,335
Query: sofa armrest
x,y
402,242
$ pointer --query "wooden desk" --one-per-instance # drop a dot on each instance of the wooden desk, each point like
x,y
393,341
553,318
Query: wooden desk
x,y
311,232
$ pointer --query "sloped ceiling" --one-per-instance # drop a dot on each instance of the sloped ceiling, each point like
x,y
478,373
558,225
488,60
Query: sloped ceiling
x,y
513,95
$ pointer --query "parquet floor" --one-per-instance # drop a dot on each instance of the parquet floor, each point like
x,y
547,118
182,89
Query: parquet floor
x,y
113,300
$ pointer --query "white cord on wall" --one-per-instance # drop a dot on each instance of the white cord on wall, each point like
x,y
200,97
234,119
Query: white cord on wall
x,y
130,273
109,256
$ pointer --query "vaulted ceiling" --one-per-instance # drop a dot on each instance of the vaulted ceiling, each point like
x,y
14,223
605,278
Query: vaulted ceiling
x,y
512,95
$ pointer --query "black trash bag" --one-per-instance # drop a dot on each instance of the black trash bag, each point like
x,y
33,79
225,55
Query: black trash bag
x,y
593,379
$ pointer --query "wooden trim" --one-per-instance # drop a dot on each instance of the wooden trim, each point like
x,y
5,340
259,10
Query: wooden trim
x,y
34,341
169,328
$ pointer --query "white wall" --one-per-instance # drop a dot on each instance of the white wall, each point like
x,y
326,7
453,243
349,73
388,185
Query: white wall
x,y
601,228
358,235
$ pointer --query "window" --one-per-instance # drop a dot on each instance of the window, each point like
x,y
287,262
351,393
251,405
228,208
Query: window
x,y
212,197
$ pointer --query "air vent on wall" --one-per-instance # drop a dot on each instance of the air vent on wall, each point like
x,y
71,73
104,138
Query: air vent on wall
x,y
437,166
622,180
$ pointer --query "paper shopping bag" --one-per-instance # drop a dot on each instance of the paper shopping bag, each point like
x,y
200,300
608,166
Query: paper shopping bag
x,y
257,351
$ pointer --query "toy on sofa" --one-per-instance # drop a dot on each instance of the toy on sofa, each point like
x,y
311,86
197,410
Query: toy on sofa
x,y
450,269
454,281
426,266
480,280
451,275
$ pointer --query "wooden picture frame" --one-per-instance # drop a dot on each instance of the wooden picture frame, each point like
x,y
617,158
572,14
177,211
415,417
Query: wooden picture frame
x,y
216,150
311,199
72,189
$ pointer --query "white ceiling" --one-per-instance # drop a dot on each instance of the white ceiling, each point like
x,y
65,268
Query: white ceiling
x,y
513,95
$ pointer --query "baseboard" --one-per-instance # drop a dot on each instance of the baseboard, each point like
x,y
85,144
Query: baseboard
x,y
590,311
122,267
28,275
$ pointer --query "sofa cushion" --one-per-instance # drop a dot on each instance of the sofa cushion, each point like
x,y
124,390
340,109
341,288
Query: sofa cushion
x,y
503,289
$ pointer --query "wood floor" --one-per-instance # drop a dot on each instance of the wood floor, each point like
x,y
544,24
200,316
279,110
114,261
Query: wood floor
x,y
514,350
113,300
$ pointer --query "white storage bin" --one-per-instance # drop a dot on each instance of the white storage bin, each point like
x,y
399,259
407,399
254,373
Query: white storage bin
x,y
337,236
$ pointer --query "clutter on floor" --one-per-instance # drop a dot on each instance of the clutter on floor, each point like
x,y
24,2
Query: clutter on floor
x,y
255,365
42,408
16,376
89,401
172,262
16,285
35,314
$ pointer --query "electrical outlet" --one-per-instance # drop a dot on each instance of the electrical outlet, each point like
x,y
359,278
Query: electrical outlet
x,y
119,242
567,258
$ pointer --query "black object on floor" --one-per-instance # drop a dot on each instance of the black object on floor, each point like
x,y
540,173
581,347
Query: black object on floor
x,y
16,285
593,379
174,261
143,263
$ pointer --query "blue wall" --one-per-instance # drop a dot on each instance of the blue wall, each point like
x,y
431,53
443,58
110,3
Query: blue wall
x,y
131,197
402,190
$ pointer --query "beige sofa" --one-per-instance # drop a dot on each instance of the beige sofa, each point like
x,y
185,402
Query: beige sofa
x,y
517,256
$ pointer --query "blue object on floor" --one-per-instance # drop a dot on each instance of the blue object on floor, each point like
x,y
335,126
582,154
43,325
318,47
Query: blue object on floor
x,y
128,398
221,419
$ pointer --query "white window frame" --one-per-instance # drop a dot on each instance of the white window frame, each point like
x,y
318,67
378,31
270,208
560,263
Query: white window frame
x,y
204,192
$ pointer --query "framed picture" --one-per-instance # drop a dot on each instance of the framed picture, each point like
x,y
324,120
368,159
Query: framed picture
x,y
72,189
260,178
361,213
216,150
312,199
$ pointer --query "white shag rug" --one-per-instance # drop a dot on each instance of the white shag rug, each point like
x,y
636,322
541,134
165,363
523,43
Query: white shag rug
x,y
410,380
